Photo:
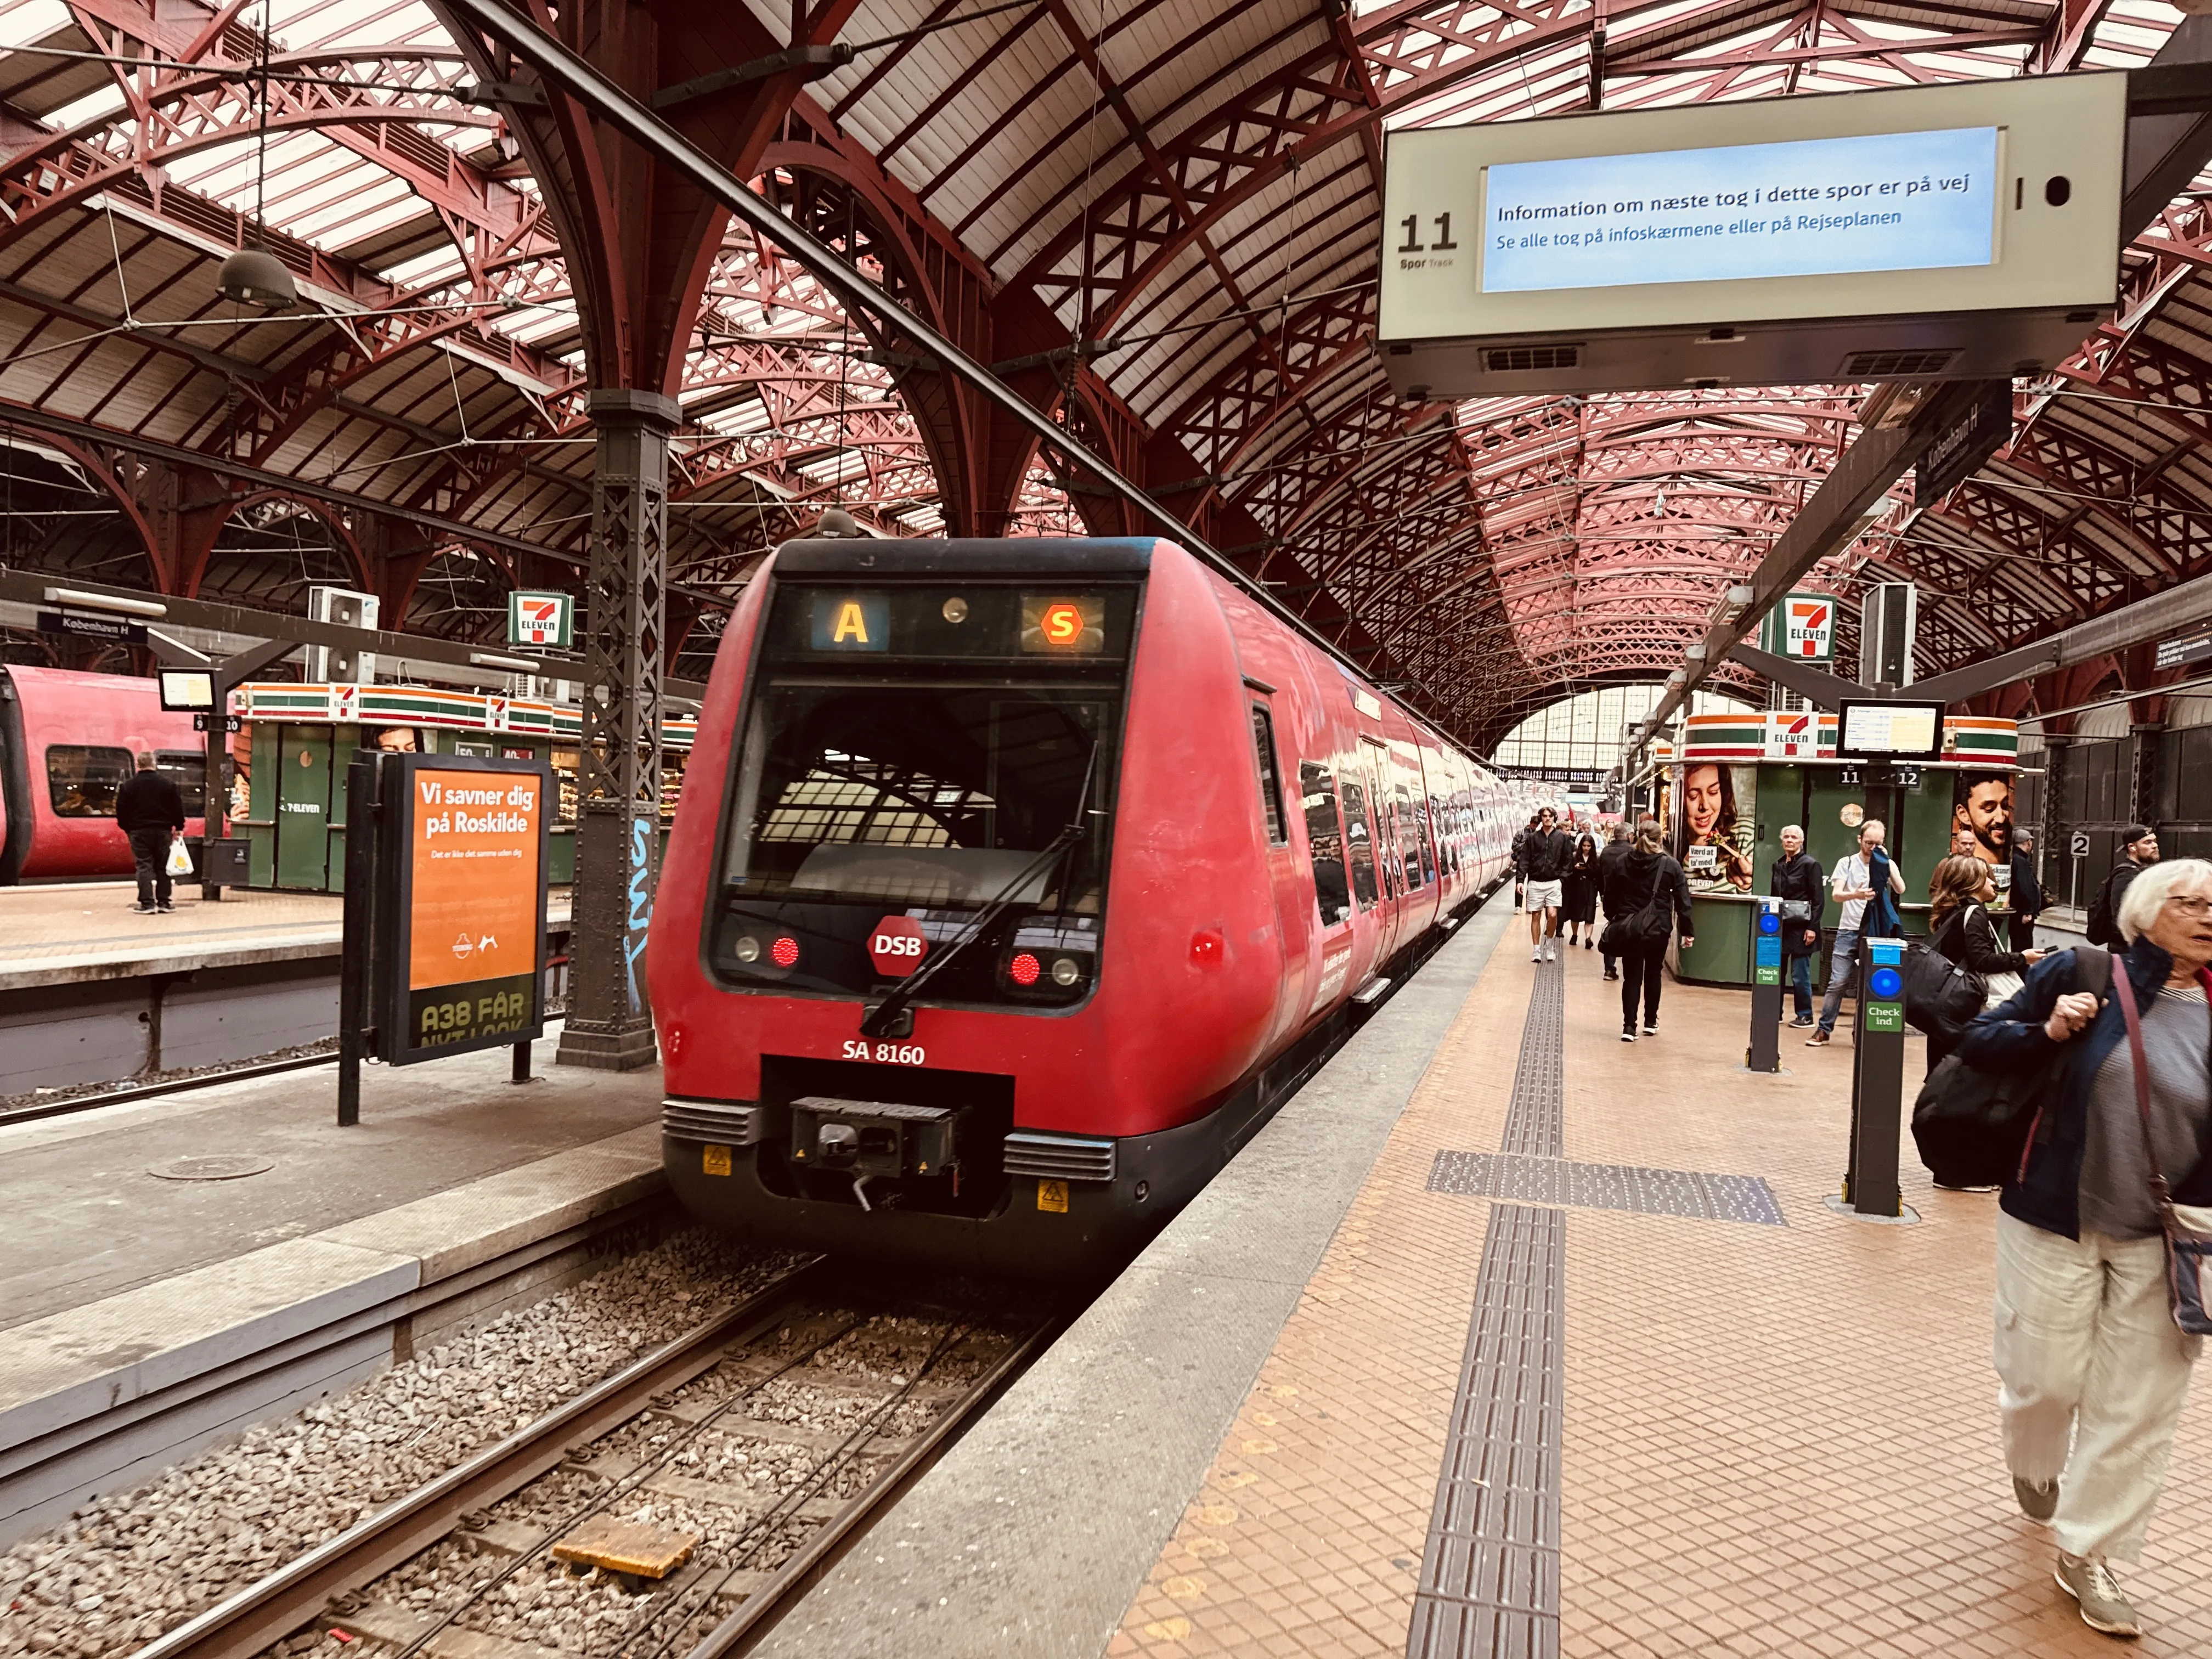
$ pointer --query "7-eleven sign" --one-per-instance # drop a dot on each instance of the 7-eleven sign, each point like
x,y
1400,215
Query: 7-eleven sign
x,y
1803,626
541,619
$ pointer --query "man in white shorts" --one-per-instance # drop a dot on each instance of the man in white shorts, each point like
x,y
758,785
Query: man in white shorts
x,y
1546,857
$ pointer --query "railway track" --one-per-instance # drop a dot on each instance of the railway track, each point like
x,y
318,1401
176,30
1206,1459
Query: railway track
x,y
677,1507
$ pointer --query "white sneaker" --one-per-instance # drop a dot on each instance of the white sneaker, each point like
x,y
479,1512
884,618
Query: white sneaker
x,y
1551,953
1536,955
1628,1036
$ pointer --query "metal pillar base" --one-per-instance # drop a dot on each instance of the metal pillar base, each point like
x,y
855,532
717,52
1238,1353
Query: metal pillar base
x,y
627,1050
1906,1216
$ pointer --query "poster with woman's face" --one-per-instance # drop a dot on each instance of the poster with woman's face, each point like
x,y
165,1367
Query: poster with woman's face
x,y
1717,833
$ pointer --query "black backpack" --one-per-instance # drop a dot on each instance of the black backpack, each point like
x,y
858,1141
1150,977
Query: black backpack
x,y
2104,926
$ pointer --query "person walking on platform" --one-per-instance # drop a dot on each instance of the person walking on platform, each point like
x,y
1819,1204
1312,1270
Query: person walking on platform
x,y
2138,851
1617,848
1521,856
2024,897
1961,927
2094,1370
1648,900
1796,882
1546,857
1866,879
151,813
1579,897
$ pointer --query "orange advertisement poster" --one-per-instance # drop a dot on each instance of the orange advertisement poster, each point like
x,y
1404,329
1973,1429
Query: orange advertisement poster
x,y
474,840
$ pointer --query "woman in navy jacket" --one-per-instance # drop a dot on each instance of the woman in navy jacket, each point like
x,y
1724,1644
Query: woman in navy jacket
x,y
2094,1371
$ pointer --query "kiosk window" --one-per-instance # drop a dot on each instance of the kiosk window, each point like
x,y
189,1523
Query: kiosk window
x,y
1325,841
1271,788
82,780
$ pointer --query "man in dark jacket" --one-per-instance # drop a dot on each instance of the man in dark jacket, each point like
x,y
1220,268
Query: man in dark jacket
x,y
1545,858
2138,847
2023,897
152,814
1648,884
1796,882
1615,850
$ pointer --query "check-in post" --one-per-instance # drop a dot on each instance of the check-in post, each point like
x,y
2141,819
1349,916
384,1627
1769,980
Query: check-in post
x,y
1764,1054
1871,1188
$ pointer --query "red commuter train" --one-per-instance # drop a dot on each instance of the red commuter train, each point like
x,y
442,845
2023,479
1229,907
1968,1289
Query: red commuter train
x,y
67,743
1014,885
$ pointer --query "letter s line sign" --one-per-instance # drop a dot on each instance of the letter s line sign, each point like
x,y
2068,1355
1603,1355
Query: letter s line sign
x,y
896,945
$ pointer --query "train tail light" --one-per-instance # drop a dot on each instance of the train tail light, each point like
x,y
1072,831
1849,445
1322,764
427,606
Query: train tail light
x,y
784,953
1023,970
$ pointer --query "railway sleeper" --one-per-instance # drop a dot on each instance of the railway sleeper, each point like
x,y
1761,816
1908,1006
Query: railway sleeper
x,y
386,1625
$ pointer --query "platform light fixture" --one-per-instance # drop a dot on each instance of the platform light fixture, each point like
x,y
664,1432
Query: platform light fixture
x,y
253,275
492,659
77,599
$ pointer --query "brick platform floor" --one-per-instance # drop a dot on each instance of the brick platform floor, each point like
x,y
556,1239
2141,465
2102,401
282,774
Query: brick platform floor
x,y
1776,1439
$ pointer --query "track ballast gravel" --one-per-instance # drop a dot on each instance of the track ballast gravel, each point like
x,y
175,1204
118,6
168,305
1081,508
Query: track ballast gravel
x,y
130,1565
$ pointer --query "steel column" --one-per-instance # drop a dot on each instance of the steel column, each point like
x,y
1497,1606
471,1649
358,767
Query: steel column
x,y
609,1026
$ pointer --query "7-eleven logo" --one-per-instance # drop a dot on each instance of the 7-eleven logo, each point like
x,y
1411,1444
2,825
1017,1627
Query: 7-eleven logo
x,y
539,619
1809,628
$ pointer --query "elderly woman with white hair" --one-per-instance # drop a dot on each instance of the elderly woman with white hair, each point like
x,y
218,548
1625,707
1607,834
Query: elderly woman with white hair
x,y
2094,1370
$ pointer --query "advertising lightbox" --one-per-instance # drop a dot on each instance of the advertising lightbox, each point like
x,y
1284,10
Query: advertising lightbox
x,y
1956,232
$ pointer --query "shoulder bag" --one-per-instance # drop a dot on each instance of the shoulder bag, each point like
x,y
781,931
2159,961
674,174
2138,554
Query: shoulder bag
x,y
1972,1126
1940,997
2188,1228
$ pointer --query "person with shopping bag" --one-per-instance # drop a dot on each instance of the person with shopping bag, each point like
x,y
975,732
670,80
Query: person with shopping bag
x,y
2100,1307
1796,882
151,814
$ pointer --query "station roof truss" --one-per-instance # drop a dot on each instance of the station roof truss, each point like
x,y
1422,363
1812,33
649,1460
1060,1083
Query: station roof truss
x,y
1157,219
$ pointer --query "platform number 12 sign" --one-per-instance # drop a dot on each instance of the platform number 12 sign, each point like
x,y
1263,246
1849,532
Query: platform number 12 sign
x,y
541,619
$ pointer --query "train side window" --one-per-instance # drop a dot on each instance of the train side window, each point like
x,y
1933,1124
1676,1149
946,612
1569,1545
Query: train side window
x,y
1325,841
1359,843
82,779
187,769
1270,787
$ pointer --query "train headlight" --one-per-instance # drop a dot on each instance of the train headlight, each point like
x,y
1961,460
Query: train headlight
x,y
1066,971
1023,970
748,948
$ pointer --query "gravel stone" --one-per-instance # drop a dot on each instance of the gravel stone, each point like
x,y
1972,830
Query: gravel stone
x,y
129,1565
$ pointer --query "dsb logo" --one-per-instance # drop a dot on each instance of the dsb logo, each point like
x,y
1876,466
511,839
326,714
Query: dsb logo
x,y
897,945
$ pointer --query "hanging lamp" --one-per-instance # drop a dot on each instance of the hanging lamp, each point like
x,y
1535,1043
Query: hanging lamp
x,y
253,275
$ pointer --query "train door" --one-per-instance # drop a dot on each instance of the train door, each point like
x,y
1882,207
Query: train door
x,y
1374,769
1296,917
303,808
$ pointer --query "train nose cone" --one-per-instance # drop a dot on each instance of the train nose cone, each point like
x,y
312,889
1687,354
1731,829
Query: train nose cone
x,y
838,1142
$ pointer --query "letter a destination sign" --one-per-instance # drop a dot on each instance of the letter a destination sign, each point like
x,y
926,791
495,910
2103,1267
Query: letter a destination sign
x,y
461,955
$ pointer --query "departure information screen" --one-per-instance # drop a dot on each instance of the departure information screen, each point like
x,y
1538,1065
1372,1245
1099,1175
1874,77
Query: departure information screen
x,y
1813,207
1870,731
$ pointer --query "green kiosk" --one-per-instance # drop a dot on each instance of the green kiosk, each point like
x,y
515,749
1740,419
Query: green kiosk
x,y
1740,778
288,798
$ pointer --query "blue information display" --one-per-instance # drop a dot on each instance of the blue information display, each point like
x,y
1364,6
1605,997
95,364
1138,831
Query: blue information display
x,y
1816,207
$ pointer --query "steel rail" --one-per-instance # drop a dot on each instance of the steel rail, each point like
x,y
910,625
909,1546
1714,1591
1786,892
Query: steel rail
x,y
277,1604
811,1562
638,123
130,1092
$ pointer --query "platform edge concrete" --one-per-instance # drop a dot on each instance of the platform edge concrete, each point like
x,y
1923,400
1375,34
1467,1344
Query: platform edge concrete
x,y
100,1397
1036,1531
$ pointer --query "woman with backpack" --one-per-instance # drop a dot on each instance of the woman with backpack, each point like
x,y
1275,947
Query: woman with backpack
x,y
2094,1366
1960,928
1646,899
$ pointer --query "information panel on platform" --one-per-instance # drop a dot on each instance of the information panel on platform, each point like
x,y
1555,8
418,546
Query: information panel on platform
x,y
1963,232
462,956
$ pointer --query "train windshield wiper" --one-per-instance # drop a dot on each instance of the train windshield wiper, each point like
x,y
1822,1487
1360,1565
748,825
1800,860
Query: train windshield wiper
x,y
879,1020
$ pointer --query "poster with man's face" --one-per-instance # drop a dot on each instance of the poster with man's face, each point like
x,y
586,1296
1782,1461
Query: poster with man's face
x,y
1981,816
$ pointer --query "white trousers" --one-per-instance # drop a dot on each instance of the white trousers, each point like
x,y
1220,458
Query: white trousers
x,y
2093,1376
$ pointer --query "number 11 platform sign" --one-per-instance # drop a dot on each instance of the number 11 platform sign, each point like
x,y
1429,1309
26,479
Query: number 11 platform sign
x,y
454,914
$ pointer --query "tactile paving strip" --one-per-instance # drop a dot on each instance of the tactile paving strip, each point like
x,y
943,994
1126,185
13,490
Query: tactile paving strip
x,y
1536,1119
1490,1574
1606,1187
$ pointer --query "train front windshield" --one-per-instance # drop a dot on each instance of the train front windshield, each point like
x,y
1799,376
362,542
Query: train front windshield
x,y
920,766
